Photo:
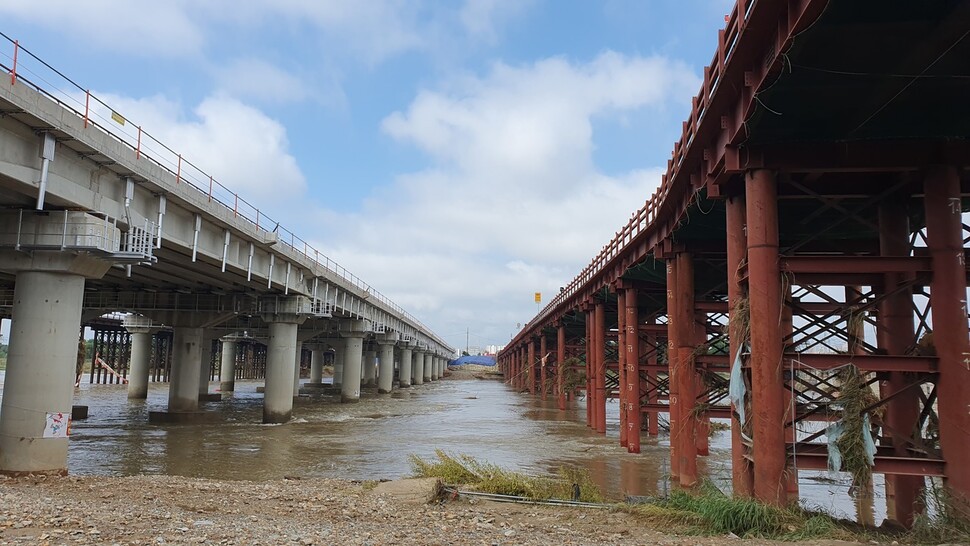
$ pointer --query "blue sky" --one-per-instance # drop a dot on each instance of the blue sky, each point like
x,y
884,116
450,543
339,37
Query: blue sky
x,y
457,155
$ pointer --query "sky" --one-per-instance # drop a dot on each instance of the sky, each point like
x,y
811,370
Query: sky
x,y
457,155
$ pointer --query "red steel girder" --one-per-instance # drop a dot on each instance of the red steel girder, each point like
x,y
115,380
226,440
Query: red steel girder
x,y
852,265
815,457
865,362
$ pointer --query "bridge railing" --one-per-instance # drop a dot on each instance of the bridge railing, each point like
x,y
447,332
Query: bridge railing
x,y
22,65
643,219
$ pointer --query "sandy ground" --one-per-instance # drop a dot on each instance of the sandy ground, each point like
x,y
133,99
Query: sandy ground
x,y
175,510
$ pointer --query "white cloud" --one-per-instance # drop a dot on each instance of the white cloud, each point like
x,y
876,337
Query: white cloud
x,y
240,146
481,18
260,80
149,29
513,202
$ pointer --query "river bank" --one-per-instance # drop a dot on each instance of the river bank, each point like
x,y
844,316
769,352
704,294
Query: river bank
x,y
176,510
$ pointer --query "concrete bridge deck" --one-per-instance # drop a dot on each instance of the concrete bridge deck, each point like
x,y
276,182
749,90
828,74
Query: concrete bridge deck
x,y
96,220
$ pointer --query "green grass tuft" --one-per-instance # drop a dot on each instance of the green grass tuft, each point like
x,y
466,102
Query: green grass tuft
x,y
489,478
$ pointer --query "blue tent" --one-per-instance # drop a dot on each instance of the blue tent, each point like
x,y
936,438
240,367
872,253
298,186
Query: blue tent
x,y
477,360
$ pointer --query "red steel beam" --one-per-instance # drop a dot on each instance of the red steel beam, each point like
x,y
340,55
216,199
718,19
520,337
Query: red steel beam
x,y
865,362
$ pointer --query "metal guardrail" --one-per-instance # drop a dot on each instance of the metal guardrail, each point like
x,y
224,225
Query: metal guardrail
x,y
643,219
78,100
91,232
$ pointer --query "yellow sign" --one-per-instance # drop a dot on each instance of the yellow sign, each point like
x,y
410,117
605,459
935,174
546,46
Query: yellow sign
x,y
538,297
118,118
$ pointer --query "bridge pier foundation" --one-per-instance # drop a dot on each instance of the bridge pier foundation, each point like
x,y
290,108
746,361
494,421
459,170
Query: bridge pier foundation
x,y
39,381
560,368
227,368
404,375
427,367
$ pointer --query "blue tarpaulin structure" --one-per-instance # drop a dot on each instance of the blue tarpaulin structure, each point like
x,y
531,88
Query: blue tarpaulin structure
x,y
477,360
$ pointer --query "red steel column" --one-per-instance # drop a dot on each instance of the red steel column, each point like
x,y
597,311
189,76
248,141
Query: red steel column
x,y
764,289
674,326
702,422
621,363
787,327
590,355
531,365
543,351
737,249
686,382
652,348
632,358
599,321
895,333
948,300
560,358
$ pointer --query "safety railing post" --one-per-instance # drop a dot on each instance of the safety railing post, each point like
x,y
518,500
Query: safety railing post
x,y
13,71
87,106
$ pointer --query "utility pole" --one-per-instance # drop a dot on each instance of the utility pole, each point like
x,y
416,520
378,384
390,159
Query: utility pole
x,y
466,341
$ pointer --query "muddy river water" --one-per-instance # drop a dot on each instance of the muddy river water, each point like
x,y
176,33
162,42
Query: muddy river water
x,y
374,439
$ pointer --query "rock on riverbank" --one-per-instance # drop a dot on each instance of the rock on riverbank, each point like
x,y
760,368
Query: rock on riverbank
x,y
175,510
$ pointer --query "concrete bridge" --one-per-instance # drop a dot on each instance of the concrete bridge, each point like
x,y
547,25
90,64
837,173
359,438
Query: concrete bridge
x,y
803,262
95,220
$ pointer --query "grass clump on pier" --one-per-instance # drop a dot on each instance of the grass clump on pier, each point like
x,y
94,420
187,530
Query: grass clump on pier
x,y
463,470
708,511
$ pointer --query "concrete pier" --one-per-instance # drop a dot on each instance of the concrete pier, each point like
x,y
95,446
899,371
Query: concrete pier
x,y
404,376
39,381
417,370
297,361
280,358
183,389
369,377
350,388
340,352
434,367
427,367
385,372
205,365
227,369
141,351
316,364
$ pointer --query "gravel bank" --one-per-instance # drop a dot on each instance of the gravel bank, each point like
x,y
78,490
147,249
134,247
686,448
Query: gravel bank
x,y
174,510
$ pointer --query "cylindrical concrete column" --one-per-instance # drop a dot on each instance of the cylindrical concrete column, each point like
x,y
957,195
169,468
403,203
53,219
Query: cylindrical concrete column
x,y
434,367
39,382
385,372
340,352
205,365
316,364
428,357
417,375
227,369
369,370
297,363
280,358
350,388
183,388
141,351
404,376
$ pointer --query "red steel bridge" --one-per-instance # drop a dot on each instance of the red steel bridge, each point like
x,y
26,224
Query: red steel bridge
x,y
803,262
